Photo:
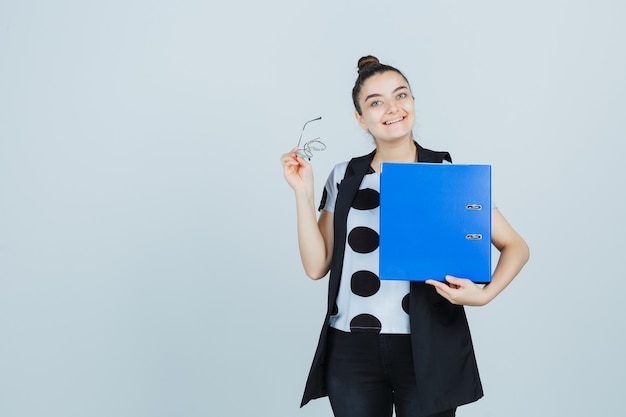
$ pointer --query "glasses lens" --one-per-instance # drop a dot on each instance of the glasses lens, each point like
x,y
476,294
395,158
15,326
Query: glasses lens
x,y
315,145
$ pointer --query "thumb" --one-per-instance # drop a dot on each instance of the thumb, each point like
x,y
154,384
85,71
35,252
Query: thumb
x,y
454,280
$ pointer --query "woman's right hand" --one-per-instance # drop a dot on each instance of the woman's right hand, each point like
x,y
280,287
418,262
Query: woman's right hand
x,y
315,238
297,171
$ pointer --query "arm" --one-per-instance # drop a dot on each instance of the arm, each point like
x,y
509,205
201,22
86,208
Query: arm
x,y
514,254
315,237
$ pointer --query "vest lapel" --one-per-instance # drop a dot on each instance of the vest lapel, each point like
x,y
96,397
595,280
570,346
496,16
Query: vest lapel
x,y
346,192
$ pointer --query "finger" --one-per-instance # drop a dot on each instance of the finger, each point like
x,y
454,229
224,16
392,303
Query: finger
x,y
289,159
441,288
444,285
294,152
434,283
302,161
455,281
291,154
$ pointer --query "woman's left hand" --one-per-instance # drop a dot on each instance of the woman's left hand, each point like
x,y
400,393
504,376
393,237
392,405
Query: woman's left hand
x,y
460,291
513,255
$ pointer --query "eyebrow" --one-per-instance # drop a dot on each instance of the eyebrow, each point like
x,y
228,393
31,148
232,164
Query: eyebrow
x,y
380,95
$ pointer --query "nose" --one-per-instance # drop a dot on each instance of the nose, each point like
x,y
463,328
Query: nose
x,y
392,106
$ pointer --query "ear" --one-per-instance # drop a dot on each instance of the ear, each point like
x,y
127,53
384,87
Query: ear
x,y
359,119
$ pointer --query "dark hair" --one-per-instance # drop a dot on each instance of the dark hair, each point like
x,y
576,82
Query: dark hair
x,y
367,66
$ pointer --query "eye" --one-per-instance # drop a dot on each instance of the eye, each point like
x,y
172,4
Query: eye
x,y
402,95
375,103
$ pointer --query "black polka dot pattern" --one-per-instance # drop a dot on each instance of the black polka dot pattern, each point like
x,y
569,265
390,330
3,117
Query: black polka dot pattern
x,y
366,199
364,303
405,304
365,323
363,239
364,283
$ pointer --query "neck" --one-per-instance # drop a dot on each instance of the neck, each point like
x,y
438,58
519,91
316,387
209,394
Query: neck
x,y
404,151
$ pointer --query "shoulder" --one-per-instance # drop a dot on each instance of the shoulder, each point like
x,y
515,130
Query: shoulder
x,y
359,164
339,170
353,165
428,155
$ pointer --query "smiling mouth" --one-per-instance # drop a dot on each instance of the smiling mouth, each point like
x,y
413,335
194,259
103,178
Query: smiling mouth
x,y
390,122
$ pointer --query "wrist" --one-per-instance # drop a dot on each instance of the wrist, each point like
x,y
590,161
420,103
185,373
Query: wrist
x,y
305,195
489,293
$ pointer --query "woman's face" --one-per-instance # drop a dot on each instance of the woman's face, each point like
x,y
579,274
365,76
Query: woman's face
x,y
387,107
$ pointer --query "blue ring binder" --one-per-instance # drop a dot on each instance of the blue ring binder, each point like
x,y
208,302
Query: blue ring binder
x,y
432,222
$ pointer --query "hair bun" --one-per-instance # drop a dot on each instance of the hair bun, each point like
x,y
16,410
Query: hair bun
x,y
366,61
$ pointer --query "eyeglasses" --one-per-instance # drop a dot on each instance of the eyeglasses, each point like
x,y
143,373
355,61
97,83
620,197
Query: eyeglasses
x,y
306,151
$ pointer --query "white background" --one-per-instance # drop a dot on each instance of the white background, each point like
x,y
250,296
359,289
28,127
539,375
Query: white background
x,y
148,258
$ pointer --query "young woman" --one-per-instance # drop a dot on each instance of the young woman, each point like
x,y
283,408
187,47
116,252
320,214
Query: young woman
x,y
386,344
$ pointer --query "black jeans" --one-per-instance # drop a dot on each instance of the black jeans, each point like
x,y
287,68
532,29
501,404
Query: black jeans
x,y
368,374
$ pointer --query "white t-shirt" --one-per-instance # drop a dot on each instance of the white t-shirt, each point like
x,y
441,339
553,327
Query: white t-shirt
x,y
364,302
